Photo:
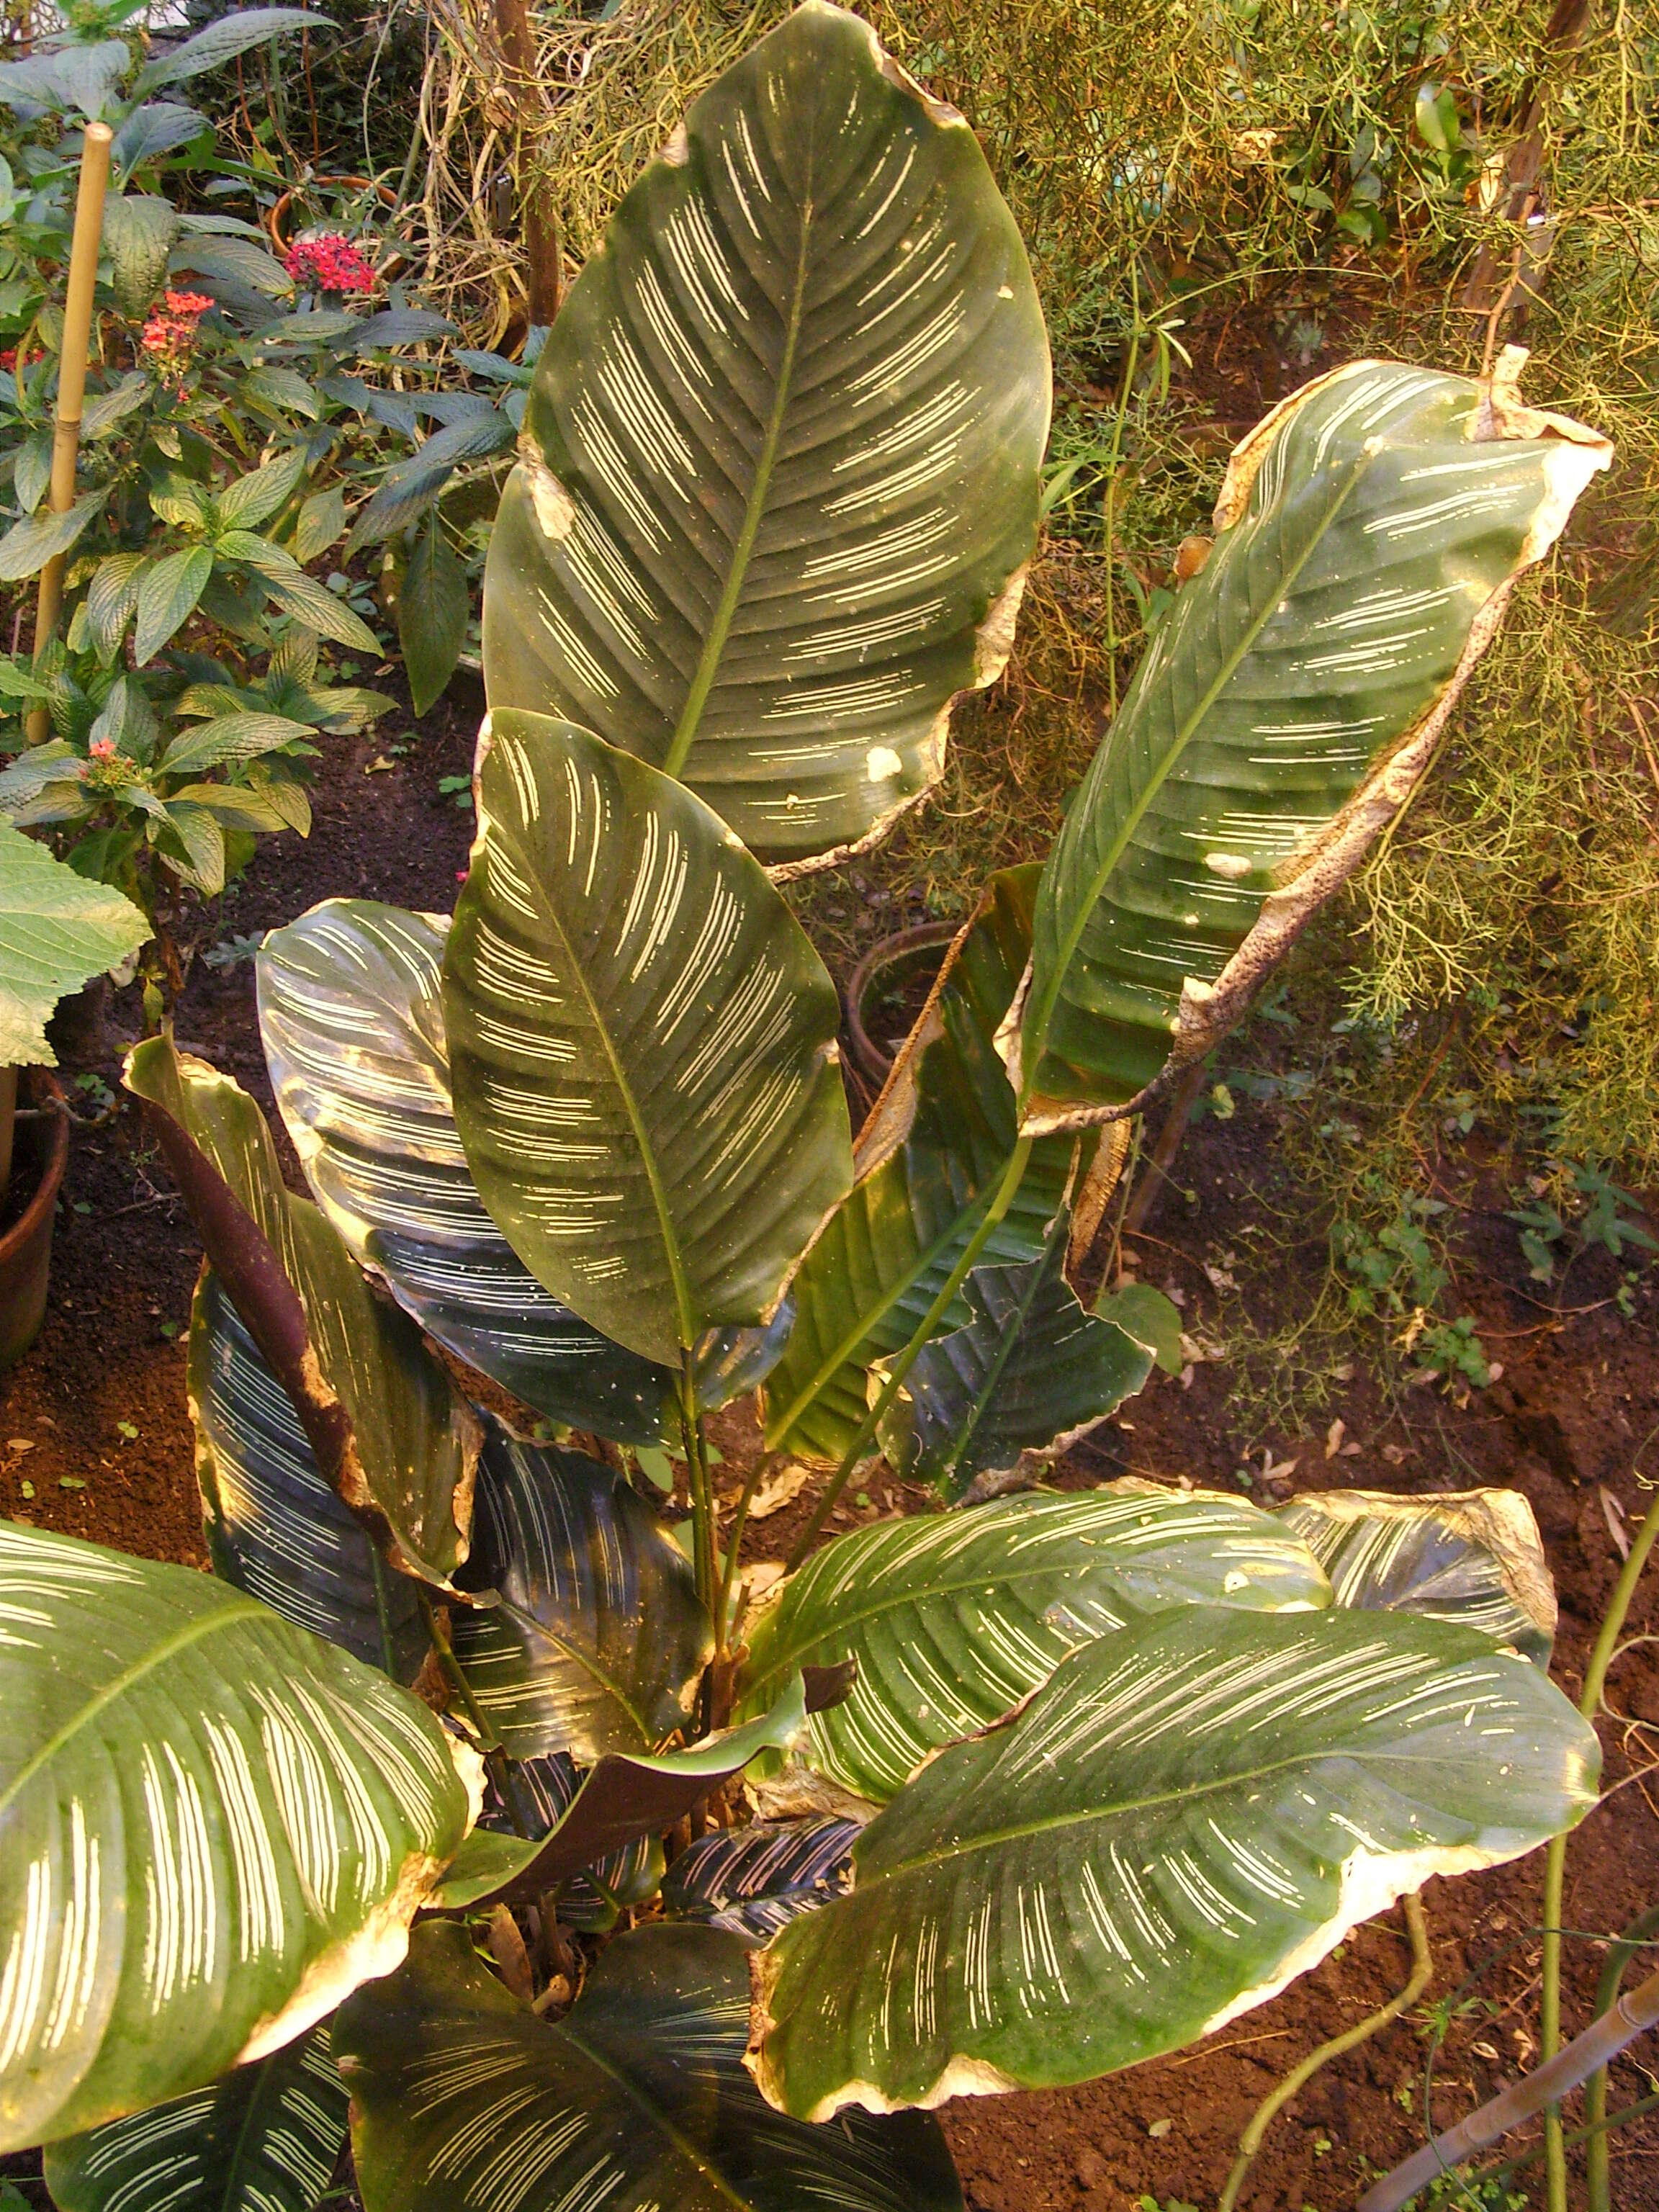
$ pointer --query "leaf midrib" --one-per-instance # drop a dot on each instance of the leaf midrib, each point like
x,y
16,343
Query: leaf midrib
x,y
1009,1336
1038,1031
702,681
193,1631
1055,1823
998,1579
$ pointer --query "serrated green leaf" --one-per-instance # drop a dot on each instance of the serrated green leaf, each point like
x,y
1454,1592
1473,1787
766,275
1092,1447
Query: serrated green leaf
x,y
139,233
254,498
169,592
322,524
202,842
56,931
432,605
231,737
31,472
28,545
660,991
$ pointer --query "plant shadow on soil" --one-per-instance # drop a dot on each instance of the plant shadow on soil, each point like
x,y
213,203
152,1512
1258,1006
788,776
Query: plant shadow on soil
x,y
94,1441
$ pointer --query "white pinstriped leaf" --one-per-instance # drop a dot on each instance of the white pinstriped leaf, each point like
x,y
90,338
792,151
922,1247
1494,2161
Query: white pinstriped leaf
x,y
1473,1556
274,1527
953,1618
598,1638
886,1250
642,1044
636,2101
754,1881
414,1440
543,1789
1368,530
1191,1813
265,2138
215,1826
351,1014
779,462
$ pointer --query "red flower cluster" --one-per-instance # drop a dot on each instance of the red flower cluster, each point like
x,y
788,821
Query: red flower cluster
x,y
9,360
169,336
329,263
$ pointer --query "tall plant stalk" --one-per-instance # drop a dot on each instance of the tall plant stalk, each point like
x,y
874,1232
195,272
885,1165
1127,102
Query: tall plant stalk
x,y
1555,1864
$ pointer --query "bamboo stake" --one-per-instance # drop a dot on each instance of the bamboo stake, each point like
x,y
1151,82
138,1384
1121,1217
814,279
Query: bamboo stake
x,y
72,379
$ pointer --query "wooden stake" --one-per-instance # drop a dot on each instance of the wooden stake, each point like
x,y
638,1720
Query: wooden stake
x,y
72,380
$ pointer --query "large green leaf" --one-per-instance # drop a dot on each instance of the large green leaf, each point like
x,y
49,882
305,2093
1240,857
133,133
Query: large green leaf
x,y
265,2138
642,1044
1189,1815
779,474
388,1429
928,1160
215,1826
351,1014
598,1638
637,2100
275,1528
1472,1556
1031,1371
1369,530
952,1619
56,931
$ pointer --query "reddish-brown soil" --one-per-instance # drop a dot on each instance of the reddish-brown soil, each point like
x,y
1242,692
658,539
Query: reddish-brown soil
x,y
94,1441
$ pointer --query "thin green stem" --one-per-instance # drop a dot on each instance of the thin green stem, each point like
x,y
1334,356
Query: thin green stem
x,y
496,1758
1271,2105
1597,2178
701,1494
1555,1864
382,1608
1013,1176
739,1520
1113,459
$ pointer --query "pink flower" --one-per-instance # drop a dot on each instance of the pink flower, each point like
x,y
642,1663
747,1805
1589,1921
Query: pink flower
x,y
169,337
331,262
102,748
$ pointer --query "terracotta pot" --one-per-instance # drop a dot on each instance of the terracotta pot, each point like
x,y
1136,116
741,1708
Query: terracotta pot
x,y
894,960
40,1154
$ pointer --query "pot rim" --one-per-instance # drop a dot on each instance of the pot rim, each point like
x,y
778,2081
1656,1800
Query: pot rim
x,y
16,1239
870,1061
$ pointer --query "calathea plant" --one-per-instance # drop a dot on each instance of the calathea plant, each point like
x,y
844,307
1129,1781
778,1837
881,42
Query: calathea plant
x,y
1052,1782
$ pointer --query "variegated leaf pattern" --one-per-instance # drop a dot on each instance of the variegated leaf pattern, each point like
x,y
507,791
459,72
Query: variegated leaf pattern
x,y
597,1639
275,1528
263,2138
463,2101
1473,1556
642,1044
543,1789
1031,1371
752,1882
953,1618
1368,530
413,1439
215,1826
928,1160
351,1014
779,471
1191,1813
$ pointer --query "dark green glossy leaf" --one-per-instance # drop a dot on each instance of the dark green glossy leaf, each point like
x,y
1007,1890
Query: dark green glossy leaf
x,y
637,2100
1472,1556
265,2138
1190,1813
781,451
954,1617
275,1527
642,1044
1368,530
215,1826
754,1881
598,1638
